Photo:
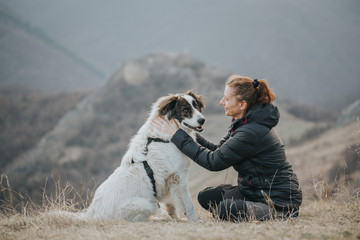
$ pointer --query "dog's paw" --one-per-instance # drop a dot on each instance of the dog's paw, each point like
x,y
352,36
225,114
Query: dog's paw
x,y
158,218
192,218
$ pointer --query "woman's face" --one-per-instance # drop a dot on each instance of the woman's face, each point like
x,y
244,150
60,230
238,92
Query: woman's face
x,y
233,107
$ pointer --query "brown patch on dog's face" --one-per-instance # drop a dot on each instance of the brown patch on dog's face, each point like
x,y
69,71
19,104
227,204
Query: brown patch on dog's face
x,y
175,107
167,105
183,110
199,102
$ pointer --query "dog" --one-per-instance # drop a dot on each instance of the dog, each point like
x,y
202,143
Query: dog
x,y
153,169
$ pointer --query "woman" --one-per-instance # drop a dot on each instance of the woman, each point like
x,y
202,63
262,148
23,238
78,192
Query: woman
x,y
267,186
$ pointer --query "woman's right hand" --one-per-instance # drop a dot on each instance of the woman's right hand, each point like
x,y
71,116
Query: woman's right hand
x,y
166,127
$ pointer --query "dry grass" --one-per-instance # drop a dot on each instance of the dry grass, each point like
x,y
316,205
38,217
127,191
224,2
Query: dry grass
x,y
337,217
331,214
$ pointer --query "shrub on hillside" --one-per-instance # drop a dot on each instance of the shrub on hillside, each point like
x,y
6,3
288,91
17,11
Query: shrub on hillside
x,y
309,112
25,116
311,133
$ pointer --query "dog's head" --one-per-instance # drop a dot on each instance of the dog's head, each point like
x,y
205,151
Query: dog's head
x,y
185,109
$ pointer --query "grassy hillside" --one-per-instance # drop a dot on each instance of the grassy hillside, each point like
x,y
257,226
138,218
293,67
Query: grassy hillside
x,y
323,215
29,57
26,116
329,160
320,219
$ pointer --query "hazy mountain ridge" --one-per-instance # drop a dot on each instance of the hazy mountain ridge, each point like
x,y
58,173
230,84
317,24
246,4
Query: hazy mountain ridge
x,y
308,50
29,57
26,116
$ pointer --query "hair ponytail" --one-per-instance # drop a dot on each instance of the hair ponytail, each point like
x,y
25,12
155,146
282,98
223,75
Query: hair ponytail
x,y
265,94
252,91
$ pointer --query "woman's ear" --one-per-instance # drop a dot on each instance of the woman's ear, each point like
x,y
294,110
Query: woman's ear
x,y
243,105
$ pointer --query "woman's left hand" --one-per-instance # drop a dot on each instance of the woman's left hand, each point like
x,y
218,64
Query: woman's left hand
x,y
166,127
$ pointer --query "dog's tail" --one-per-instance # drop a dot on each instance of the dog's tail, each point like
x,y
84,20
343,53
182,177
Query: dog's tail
x,y
81,215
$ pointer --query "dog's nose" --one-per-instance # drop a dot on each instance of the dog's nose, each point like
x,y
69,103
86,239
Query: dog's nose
x,y
201,121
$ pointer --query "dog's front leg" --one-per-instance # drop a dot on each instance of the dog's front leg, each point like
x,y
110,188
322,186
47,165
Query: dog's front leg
x,y
188,206
181,197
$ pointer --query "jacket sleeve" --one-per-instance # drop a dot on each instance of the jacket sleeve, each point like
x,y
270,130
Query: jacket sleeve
x,y
205,143
230,153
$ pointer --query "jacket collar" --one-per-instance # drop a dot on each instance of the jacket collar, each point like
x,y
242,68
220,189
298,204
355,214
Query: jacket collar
x,y
235,123
267,115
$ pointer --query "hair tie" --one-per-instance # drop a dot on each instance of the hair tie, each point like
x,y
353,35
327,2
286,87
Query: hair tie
x,y
256,83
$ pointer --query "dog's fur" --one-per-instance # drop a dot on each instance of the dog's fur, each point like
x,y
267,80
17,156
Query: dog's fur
x,y
128,193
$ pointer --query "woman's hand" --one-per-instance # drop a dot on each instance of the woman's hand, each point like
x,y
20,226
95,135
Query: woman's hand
x,y
164,126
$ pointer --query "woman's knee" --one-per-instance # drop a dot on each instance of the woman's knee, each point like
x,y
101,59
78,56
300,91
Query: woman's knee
x,y
210,196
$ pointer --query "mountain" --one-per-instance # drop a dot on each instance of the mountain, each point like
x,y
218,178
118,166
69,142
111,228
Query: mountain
x,y
30,58
308,50
331,159
349,114
88,143
27,115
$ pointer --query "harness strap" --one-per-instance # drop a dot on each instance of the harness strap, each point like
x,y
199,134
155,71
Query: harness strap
x,y
147,168
150,140
150,173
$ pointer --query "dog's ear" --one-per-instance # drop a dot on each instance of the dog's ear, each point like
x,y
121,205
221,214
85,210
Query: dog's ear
x,y
198,98
167,106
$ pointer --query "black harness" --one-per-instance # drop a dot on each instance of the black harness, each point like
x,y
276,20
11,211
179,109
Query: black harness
x,y
147,168
150,140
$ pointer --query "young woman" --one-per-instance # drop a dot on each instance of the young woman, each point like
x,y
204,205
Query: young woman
x,y
267,186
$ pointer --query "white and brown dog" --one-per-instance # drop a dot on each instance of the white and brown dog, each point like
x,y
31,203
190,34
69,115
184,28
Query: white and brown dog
x,y
153,170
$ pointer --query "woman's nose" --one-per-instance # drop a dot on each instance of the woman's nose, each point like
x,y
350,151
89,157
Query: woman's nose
x,y
221,101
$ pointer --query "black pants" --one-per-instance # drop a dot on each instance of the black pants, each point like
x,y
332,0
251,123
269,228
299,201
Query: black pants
x,y
227,203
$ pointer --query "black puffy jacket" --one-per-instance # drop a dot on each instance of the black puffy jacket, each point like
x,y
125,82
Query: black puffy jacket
x,y
256,152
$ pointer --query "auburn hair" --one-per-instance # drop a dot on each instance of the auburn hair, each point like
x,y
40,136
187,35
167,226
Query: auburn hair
x,y
251,91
